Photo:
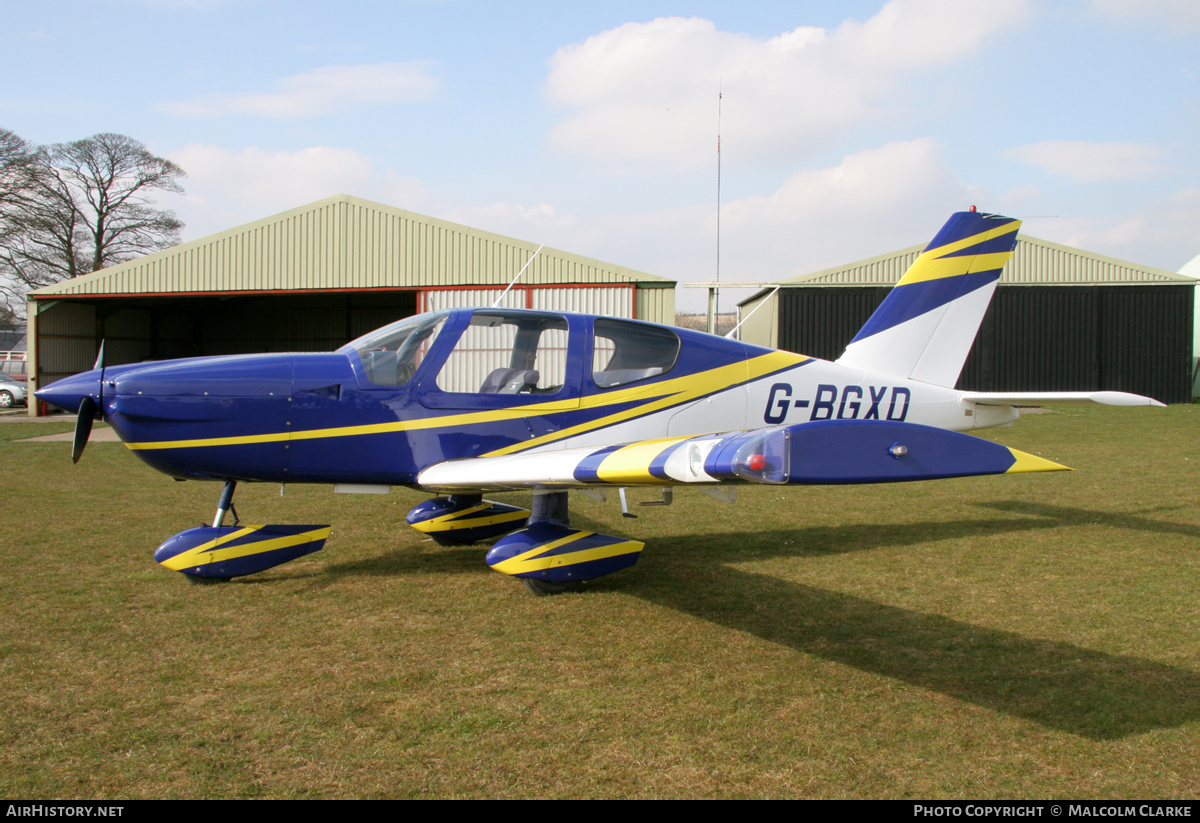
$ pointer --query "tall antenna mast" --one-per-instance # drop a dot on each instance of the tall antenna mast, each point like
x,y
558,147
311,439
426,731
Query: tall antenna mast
x,y
714,295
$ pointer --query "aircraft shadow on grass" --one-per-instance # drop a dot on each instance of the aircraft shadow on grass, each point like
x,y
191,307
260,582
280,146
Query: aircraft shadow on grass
x,y
1059,685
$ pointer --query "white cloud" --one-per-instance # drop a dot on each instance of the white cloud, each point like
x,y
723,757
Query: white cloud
x,y
647,91
1162,235
319,92
1090,162
872,202
227,188
1176,14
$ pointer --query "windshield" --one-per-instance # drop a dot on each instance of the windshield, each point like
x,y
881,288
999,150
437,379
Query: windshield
x,y
391,355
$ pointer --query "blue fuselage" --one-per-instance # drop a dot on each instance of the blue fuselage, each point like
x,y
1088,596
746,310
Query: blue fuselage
x,y
319,418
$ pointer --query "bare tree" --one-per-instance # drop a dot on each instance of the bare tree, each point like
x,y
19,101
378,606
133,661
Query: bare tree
x,y
89,207
19,177
18,160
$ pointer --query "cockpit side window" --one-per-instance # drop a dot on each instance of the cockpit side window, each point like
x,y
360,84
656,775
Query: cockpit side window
x,y
392,355
625,353
508,353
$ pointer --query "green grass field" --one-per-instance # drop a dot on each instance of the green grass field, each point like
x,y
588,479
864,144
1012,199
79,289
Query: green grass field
x,y
1015,636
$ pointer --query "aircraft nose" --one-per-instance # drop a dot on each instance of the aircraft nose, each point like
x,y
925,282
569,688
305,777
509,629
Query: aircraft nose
x,y
69,392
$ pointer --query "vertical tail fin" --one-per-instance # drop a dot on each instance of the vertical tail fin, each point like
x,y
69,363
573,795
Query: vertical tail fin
x,y
924,329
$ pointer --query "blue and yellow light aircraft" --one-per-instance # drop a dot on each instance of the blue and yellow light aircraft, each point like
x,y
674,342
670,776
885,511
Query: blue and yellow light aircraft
x,y
470,401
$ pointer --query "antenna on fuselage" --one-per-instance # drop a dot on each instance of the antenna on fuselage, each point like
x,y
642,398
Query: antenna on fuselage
x,y
518,277
733,331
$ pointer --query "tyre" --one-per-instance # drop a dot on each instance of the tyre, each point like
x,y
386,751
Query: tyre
x,y
545,588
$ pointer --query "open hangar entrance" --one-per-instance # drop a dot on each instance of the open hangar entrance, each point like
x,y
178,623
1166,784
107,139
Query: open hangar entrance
x,y
136,329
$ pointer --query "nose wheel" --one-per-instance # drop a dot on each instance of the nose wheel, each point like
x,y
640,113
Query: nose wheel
x,y
546,588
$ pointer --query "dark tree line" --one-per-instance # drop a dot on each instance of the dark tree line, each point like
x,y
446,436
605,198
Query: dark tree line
x,y
71,208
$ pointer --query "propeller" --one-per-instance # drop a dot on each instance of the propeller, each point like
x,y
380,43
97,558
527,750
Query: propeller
x,y
83,427
88,408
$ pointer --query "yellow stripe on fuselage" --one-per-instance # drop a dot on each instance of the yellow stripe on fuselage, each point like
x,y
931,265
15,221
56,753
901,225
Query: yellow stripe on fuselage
x,y
445,421
657,396
670,393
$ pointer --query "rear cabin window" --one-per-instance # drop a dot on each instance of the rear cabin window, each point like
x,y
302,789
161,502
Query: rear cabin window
x,y
508,353
624,353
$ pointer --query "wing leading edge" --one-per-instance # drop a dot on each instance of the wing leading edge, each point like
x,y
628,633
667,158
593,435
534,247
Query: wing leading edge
x,y
828,452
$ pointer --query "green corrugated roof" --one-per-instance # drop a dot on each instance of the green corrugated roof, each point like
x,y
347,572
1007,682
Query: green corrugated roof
x,y
345,242
1035,262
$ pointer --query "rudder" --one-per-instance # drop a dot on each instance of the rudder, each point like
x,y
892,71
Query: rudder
x,y
924,329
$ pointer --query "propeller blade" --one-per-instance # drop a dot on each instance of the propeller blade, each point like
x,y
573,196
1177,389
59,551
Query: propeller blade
x,y
83,427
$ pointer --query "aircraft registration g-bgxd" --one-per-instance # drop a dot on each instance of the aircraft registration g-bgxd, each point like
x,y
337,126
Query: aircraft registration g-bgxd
x,y
469,401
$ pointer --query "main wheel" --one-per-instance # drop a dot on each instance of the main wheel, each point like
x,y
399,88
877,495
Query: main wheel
x,y
544,588
6,400
197,580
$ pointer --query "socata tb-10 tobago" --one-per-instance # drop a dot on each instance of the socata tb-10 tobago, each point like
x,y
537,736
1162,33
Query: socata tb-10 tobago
x,y
468,401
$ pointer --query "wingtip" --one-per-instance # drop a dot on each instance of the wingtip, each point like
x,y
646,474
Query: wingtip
x,y
1025,462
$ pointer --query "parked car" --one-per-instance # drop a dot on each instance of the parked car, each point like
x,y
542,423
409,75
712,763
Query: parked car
x,y
12,392
14,364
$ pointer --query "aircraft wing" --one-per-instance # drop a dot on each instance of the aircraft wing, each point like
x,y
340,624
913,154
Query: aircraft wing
x,y
826,452
1107,398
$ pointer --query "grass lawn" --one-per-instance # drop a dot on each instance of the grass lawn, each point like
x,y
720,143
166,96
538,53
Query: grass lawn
x,y
1014,636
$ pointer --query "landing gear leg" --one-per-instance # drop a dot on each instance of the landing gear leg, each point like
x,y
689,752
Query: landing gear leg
x,y
550,509
226,504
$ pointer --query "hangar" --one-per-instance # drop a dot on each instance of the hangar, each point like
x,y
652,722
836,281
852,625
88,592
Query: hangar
x,y
1062,319
312,279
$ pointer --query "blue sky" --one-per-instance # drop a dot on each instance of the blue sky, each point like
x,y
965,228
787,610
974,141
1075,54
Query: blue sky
x,y
848,129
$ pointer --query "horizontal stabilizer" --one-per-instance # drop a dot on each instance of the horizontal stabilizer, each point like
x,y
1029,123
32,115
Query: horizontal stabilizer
x,y
1052,398
815,453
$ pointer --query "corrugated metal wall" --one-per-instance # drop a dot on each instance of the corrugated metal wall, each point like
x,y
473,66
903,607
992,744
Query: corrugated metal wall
x,y
656,305
1131,338
820,322
613,301
759,321
66,342
1034,261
